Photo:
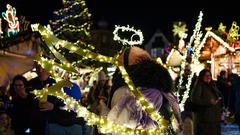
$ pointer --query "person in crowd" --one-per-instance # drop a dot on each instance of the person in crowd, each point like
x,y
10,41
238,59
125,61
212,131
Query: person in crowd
x,y
186,114
5,98
90,95
98,97
182,89
154,82
207,100
59,121
224,87
5,123
84,82
232,79
25,113
237,102
128,58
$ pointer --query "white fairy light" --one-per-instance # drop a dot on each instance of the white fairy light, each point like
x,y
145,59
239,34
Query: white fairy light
x,y
197,34
125,41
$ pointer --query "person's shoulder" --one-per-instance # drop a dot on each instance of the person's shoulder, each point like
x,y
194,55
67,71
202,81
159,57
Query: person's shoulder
x,y
119,94
122,89
51,80
33,80
34,83
31,95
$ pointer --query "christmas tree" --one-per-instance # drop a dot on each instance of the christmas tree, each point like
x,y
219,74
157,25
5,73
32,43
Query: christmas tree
x,y
72,22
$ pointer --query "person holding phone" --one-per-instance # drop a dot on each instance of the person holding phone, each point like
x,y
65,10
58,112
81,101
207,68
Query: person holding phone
x,y
208,100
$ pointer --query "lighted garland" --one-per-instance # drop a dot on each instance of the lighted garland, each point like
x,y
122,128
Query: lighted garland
x,y
51,66
92,119
51,39
127,41
79,42
75,3
85,28
102,58
50,46
195,61
196,32
72,16
83,52
211,34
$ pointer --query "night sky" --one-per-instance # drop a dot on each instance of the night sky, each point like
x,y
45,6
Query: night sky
x,y
146,15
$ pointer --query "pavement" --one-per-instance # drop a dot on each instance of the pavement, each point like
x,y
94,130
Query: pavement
x,y
229,129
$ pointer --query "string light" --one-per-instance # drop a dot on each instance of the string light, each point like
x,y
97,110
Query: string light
x,y
74,18
179,27
51,39
211,34
195,57
66,27
196,35
104,125
74,3
125,41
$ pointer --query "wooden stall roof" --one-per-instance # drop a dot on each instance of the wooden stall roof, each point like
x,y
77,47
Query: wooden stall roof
x,y
213,44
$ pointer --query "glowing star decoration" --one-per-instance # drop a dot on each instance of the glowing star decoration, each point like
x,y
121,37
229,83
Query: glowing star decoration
x,y
126,41
11,18
221,27
233,32
179,27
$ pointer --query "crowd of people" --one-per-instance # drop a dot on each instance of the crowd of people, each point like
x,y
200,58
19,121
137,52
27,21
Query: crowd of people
x,y
22,113
29,115
211,102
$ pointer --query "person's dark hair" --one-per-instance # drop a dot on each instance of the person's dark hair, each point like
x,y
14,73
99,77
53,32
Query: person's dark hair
x,y
22,78
125,57
18,77
150,74
222,73
202,74
147,73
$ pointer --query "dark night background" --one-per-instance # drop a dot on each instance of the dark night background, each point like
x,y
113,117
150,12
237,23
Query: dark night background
x,y
146,15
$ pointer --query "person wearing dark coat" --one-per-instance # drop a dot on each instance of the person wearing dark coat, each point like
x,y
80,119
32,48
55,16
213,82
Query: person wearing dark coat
x,y
25,113
207,100
59,121
153,81
224,87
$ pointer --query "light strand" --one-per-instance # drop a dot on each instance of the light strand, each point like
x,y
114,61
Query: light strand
x,y
125,41
84,52
196,32
104,125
